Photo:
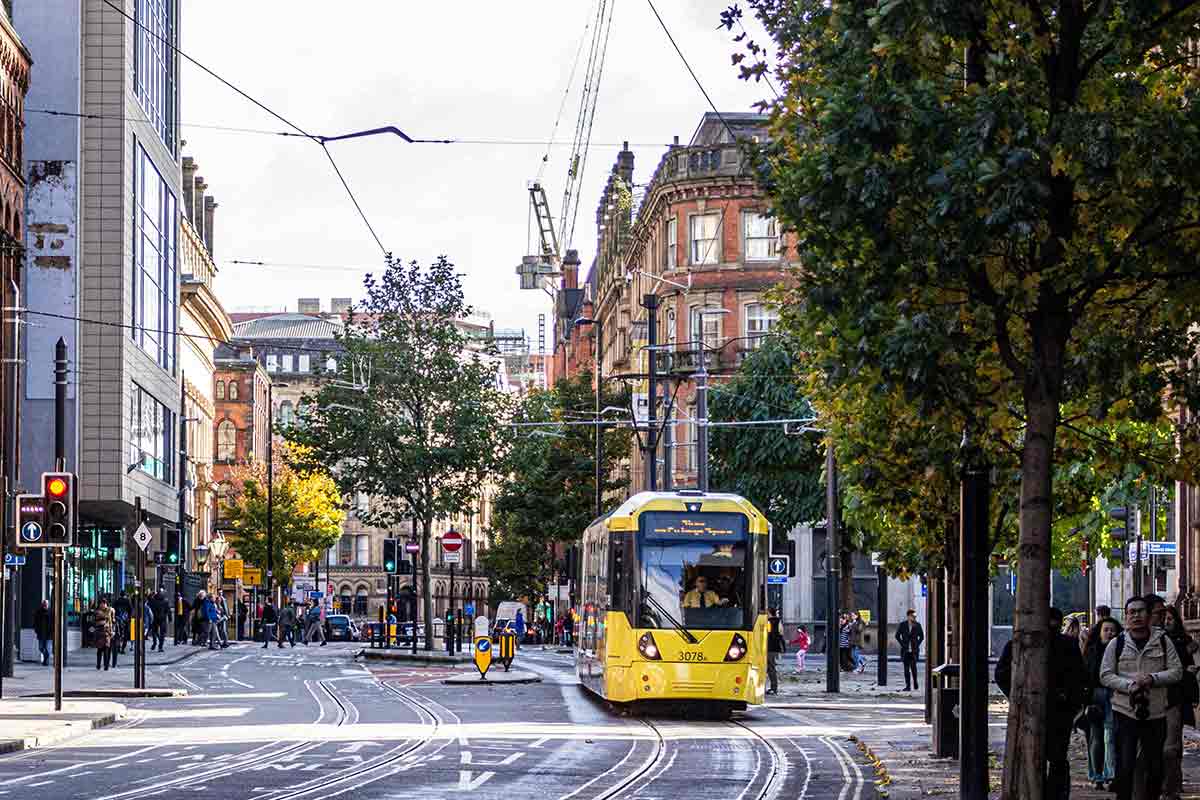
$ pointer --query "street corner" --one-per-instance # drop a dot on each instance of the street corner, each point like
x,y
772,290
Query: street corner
x,y
492,678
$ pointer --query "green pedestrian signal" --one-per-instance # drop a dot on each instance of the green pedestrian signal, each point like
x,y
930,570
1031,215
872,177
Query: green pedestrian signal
x,y
391,550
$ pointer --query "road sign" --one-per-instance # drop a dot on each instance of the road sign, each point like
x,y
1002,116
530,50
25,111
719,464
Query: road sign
x,y
31,533
452,542
233,569
168,570
412,547
13,560
483,655
777,567
142,537
451,558
1163,548
469,610
31,520
315,595
776,579
251,576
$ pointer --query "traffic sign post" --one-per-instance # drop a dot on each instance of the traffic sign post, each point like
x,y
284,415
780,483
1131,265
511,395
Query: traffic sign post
x,y
452,542
777,569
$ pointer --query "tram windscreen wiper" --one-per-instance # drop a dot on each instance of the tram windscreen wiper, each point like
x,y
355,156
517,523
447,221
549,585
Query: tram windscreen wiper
x,y
676,623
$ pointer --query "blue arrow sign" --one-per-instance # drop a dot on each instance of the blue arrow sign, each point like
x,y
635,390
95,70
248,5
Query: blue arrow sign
x,y
469,610
483,645
777,565
12,560
31,532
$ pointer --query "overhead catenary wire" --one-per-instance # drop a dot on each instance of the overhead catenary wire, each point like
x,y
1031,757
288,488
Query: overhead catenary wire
x,y
319,140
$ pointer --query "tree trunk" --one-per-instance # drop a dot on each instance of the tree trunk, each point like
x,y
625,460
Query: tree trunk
x,y
426,593
846,590
953,592
1025,745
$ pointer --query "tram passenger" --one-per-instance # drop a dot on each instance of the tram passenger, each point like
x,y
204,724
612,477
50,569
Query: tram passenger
x,y
701,596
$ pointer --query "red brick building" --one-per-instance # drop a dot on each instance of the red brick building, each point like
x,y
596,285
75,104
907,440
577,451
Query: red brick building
x,y
243,420
700,238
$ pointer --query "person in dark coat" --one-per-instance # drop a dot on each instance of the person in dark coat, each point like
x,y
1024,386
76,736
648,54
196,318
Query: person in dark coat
x,y
1102,749
910,634
43,627
775,646
183,612
1067,692
1180,701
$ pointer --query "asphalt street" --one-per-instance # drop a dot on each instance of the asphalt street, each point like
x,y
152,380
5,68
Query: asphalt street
x,y
311,722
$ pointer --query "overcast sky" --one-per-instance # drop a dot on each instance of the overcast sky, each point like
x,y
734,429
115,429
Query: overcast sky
x,y
470,70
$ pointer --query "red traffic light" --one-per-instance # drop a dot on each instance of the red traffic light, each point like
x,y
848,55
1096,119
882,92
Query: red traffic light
x,y
56,487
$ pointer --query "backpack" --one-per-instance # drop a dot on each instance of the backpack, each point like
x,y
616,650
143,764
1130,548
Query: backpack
x,y
1188,686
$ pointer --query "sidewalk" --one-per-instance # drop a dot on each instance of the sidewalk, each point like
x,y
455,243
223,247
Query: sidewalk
x,y
902,742
80,674
34,723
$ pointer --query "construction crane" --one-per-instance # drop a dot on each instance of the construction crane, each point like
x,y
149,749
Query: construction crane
x,y
536,269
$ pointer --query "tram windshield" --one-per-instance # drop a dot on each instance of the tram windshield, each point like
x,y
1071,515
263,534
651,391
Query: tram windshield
x,y
695,571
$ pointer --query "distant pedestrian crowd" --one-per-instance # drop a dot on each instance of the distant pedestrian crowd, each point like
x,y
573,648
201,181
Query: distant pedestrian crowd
x,y
1129,689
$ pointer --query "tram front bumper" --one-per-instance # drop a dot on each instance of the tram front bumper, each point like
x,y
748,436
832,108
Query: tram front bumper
x,y
658,680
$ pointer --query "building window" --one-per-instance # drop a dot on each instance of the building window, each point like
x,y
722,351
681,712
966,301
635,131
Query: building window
x,y
272,362
761,237
671,240
154,64
286,415
360,601
760,320
226,441
286,363
304,363
705,236
151,435
712,327
155,291
362,550
220,390
331,364
346,551
233,390
671,335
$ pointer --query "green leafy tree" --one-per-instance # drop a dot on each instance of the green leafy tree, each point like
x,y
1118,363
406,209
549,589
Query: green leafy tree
x,y
306,520
997,206
547,495
415,419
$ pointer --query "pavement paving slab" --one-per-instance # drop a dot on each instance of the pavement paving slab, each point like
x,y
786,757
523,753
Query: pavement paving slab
x,y
26,724
494,678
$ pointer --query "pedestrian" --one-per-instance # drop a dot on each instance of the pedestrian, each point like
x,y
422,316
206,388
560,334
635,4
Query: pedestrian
x,y
199,620
1065,695
1139,666
147,627
857,627
844,636
222,622
243,613
183,613
910,635
43,626
1102,753
269,618
160,612
802,642
1074,631
287,624
775,646
105,620
213,620
124,612
519,627
315,625
1181,702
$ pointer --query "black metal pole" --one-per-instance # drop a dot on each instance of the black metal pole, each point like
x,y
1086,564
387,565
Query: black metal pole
x,y
59,597
416,596
137,609
450,607
881,676
599,428
973,630
184,543
833,570
650,302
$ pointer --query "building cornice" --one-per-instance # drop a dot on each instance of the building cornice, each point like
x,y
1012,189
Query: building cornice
x,y
206,308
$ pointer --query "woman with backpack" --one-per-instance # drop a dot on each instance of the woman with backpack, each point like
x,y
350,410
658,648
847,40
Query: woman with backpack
x,y
1098,715
1181,701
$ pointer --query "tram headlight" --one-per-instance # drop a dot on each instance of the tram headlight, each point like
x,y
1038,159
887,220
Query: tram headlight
x,y
737,648
648,647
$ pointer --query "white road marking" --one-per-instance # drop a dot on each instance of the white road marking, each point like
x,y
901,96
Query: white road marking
x,y
239,683
467,784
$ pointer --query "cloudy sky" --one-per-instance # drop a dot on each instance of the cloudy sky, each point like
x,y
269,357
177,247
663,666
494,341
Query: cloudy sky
x,y
465,70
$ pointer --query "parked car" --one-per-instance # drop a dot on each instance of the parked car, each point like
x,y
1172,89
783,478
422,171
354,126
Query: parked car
x,y
340,628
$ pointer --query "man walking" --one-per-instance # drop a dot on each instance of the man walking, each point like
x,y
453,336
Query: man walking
x,y
269,618
909,635
287,624
1139,666
43,626
775,646
183,612
1065,695
315,628
159,614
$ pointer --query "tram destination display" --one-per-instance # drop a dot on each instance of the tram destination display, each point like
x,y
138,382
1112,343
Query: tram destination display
x,y
694,525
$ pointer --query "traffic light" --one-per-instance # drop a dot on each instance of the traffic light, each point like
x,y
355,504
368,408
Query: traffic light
x,y
390,560
172,556
58,490
1121,514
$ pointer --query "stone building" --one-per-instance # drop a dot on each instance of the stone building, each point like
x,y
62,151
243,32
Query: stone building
x,y
242,419
106,191
203,324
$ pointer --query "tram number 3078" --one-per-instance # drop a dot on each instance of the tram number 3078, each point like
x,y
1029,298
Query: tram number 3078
x,y
691,656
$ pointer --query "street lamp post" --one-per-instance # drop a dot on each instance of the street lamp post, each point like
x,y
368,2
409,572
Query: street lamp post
x,y
218,547
599,325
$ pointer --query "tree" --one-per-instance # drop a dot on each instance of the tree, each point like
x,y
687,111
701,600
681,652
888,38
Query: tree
x,y
997,206
547,495
307,513
414,419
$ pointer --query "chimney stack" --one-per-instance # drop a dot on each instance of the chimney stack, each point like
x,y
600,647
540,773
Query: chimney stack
x,y
210,210
189,180
340,305
309,305
571,264
197,207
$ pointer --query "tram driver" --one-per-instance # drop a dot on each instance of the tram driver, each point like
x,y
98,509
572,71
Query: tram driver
x,y
701,596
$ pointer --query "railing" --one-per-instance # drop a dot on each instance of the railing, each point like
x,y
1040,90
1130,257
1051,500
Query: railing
x,y
702,161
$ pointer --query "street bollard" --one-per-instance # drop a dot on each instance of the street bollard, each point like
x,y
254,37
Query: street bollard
x,y
507,649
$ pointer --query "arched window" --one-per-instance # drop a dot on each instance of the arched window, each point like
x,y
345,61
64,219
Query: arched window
x,y
360,601
233,390
220,390
226,440
285,415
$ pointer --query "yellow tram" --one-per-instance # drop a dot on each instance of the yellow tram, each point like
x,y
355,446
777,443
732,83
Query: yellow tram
x,y
673,602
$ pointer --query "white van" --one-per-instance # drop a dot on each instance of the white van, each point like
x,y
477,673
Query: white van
x,y
506,612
